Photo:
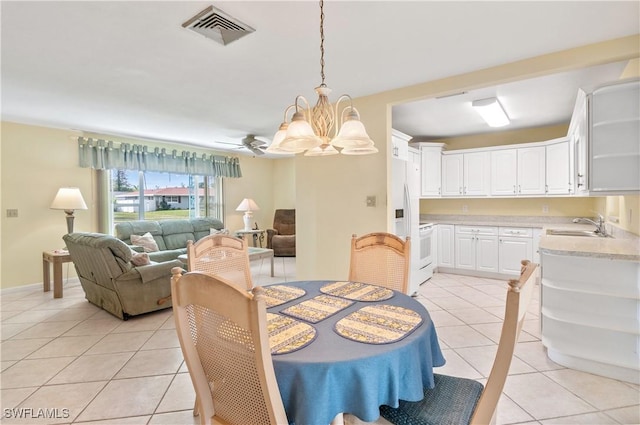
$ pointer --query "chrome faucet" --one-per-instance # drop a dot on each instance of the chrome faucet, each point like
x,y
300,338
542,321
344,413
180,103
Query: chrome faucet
x,y
600,228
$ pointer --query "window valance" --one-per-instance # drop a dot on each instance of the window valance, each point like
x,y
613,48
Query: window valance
x,y
106,155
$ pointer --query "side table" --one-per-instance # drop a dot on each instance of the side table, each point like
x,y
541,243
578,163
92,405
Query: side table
x,y
57,258
258,236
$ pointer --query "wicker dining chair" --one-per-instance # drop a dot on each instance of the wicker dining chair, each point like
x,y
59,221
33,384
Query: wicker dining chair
x,y
380,259
461,401
223,335
223,256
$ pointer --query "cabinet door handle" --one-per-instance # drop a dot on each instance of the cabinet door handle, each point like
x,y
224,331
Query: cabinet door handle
x,y
519,189
514,188
464,190
546,188
460,190
439,191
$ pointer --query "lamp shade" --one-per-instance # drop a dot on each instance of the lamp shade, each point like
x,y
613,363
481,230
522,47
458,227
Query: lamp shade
x,y
68,198
352,134
248,204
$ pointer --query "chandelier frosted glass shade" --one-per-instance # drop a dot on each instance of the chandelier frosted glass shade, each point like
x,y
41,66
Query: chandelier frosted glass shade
x,y
318,130
352,134
300,136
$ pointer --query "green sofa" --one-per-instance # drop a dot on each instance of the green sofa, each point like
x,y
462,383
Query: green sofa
x,y
171,236
112,282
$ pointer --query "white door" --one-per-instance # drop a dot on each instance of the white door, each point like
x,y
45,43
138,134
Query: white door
x,y
504,172
512,252
465,249
452,172
531,164
476,173
446,253
558,169
431,172
487,253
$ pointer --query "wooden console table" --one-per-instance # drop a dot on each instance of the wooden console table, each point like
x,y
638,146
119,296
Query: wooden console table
x,y
57,259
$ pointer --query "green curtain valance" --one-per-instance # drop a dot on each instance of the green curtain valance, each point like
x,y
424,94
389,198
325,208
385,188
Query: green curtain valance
x,y
105,155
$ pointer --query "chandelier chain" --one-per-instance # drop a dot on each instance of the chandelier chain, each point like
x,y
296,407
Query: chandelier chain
x,y
322,41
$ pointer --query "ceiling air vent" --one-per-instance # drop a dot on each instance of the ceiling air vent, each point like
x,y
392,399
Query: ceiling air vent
x,y
217,25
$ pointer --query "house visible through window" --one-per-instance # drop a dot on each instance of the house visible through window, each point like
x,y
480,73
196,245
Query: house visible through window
x,y
148,195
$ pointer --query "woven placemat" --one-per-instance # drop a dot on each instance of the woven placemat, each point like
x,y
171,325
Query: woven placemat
x,y
357,291
287,334
317,308
378,324
279,294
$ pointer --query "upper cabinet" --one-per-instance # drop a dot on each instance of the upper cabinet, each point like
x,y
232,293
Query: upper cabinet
x,y
400,145
430,169
604,137
559,168
516,172
465,174
615,138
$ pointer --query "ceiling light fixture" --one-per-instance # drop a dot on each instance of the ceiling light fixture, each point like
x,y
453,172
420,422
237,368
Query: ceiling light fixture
x,y
491,111
322,129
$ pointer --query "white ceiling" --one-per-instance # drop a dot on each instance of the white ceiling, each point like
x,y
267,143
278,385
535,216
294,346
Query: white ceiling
x,y
129,68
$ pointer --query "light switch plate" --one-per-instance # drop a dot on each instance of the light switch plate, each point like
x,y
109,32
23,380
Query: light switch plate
x,y
12,212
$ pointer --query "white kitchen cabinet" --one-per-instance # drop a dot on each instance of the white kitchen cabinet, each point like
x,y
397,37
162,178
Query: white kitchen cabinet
x,y
446,252
465,174
434,246
578,134
516,172
430,169
559,170
516,244
537,234
452,174
400,145
615,138
476,248
531,165
504,172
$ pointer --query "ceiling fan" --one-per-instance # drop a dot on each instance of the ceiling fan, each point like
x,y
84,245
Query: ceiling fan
x,y
250,142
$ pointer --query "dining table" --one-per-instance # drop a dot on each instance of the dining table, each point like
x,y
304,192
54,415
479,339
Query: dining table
x,y
343,365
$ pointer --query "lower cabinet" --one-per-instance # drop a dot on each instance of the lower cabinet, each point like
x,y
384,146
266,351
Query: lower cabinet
x,y
446,253
476,248
516,244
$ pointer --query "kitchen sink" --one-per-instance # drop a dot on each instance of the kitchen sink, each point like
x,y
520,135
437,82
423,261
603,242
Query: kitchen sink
x,y
585,233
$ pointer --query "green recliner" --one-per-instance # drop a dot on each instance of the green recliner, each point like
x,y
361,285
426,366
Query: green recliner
x,y
112,282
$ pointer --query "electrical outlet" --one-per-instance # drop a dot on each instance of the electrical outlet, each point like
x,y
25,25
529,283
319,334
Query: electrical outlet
x,y
12,213
465,208
545,209
371,201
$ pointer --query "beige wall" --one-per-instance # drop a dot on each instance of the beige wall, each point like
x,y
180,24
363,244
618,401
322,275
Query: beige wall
x,y
504,137
557,207
36,161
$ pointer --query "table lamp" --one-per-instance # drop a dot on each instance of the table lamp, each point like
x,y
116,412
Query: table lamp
x,y
247,205
68,199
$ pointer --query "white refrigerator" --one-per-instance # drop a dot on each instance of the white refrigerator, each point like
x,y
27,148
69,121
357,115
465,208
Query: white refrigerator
x,y
406,207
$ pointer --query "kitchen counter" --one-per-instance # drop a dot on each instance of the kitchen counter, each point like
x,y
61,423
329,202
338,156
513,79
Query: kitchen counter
x,y
623,246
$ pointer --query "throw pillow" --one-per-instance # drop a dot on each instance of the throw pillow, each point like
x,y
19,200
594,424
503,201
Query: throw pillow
x,y
140,259
213,231
146,241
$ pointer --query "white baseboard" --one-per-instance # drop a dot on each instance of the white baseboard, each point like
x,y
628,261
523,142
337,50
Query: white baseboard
x,y
37,285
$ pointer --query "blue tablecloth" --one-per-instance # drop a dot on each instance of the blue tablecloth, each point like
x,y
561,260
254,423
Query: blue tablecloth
x,y
334,374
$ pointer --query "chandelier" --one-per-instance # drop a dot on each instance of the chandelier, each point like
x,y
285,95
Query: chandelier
x,y
318,131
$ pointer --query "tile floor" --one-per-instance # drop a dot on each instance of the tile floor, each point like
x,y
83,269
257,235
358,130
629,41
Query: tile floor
x,y
67,354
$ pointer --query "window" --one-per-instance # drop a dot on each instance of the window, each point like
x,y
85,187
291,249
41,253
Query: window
x,y
148,195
